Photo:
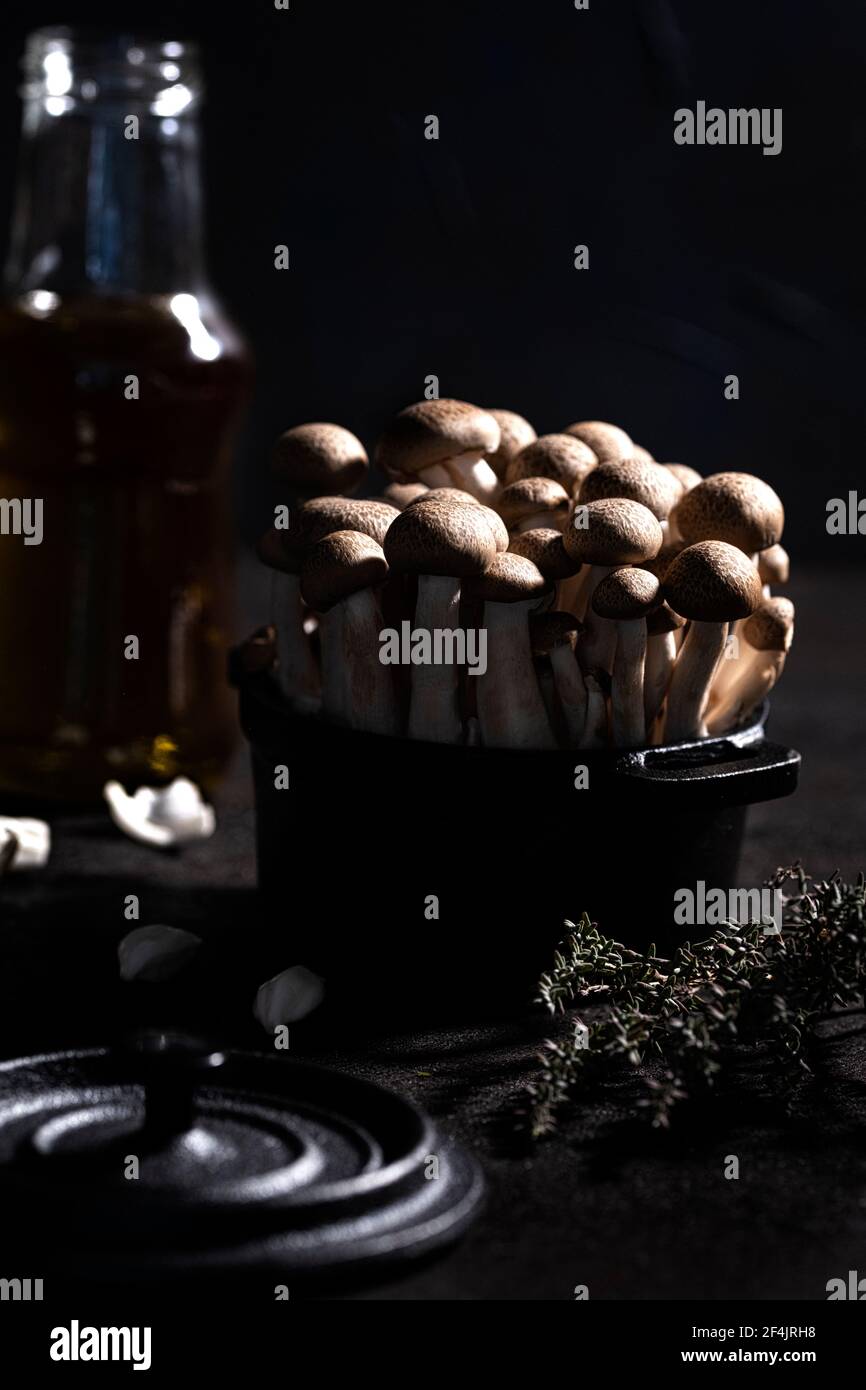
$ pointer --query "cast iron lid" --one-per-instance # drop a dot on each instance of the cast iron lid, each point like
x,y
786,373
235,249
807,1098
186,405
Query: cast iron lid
x,y
242,1161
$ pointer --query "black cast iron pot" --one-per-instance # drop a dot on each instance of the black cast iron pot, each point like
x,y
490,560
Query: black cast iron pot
x,y
429,881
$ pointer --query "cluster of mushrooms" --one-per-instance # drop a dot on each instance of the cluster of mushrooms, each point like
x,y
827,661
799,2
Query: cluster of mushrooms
x,y
609,586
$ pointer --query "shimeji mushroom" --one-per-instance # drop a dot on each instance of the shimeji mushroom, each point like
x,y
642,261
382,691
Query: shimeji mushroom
x,y
454,496
734,507
662,626
515,434
545,548
283,552
532,502
443,545
562,457
319,460
554,635
625,597
648,483
339,575
297,671
606,534
774,567
511,709
320,516
606,441
712,584
442,443
767,636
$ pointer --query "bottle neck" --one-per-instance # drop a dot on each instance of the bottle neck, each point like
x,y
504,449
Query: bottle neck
x,y
108,199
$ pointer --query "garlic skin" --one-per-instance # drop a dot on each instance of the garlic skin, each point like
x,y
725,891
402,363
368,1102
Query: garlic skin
x,y
34,842
161,816
288,997
155,953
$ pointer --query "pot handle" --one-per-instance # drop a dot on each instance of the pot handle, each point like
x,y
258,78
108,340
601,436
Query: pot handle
x,y
721,771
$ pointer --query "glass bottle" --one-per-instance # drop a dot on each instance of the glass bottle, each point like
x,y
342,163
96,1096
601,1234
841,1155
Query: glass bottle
x,y
121,388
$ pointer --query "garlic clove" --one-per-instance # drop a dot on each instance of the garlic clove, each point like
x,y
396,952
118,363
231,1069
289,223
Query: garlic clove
x,y
155,953
288,997
161,816
34,842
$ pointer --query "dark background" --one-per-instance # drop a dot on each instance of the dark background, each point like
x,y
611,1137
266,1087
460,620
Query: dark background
x,y
455,257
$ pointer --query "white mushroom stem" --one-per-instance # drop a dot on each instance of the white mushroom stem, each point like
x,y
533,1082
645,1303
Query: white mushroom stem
x,y
598,641
737,651
690,684
595,729
473,473
296,666
357,689
434,475
571,689
510,705
661,654
760,672
434,711
626,696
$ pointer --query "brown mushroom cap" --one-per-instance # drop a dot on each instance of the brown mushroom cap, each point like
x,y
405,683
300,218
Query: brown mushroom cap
x,y
515,434
322,515
509,578
320,459
432,432
647,483
457,541
689,477
341,564
606,441
771,626
712,582
661,563
663,619
401,494
625,594
544,547
774,565
554,629
640,454
562,457
530,496
618,532
734,507
451,496
456,497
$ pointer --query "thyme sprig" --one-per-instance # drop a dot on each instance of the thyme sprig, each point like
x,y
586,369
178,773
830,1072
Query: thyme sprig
x,y
684,1014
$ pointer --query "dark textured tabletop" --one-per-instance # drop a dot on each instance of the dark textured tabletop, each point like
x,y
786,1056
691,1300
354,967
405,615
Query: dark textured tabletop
x,y
629,1212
